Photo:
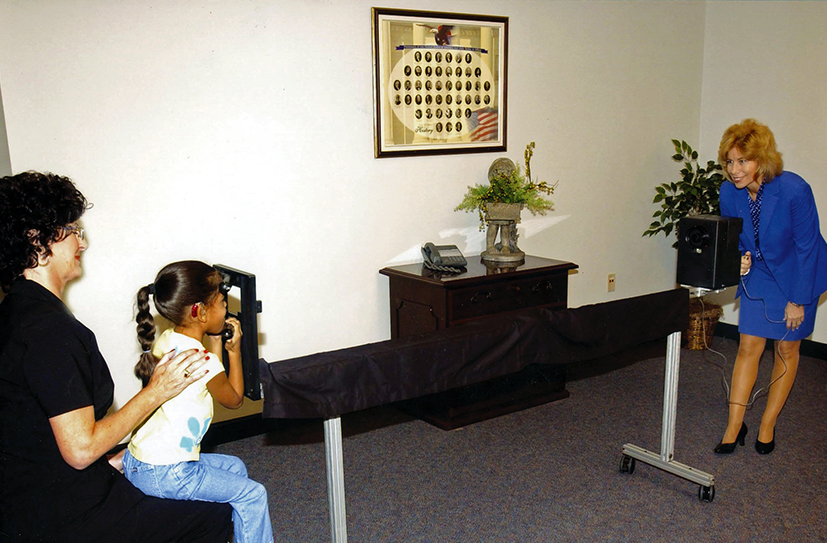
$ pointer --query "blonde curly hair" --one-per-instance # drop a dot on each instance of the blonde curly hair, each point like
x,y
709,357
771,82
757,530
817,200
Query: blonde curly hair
x,y
756,142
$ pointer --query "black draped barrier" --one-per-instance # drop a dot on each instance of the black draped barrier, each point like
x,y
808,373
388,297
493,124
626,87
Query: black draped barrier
x,y
599,330
333,383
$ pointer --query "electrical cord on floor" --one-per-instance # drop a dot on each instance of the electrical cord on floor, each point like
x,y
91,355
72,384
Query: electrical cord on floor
x,y
725,384
721,368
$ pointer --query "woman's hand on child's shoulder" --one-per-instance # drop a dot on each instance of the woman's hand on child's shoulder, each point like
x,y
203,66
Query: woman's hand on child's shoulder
x,y
176,371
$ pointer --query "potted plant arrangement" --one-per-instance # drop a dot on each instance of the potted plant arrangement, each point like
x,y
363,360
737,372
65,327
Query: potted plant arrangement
x,y
695,194
500,202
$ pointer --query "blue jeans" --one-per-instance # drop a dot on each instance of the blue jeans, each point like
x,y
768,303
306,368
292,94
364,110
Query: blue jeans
x,y
212,478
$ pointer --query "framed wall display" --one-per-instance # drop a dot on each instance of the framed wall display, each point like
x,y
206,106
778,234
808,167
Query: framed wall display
x,y
439,82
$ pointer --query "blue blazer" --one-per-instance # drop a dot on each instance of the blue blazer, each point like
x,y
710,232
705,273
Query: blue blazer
x,y
789,235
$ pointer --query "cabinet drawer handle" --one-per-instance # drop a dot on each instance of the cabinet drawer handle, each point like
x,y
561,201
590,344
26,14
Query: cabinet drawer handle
x,y
476,297
544,286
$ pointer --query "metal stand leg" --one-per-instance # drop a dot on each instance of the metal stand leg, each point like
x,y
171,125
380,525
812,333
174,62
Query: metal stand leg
x,y
334,460
665,460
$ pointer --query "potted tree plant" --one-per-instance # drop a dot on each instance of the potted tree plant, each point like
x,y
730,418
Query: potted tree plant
x,y
499,204
696,193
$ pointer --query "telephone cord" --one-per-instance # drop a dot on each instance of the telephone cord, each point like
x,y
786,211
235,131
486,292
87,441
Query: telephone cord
x,y
724,382
436,267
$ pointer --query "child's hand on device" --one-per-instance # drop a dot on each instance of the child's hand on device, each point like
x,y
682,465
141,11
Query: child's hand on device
x,y
234,342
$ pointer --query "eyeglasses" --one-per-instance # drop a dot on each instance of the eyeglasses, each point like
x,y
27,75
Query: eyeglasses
x,y
76,230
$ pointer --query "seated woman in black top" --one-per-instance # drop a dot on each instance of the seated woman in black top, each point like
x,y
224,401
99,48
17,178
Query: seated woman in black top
x,y
55,391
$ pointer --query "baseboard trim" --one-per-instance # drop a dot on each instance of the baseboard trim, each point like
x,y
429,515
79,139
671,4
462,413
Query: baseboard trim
x,y
810,348
240,428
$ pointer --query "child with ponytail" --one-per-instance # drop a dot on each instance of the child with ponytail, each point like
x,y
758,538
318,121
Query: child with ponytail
x,y
163,458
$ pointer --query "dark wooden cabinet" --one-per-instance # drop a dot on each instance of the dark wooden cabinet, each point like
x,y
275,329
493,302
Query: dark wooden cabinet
x,y
422,301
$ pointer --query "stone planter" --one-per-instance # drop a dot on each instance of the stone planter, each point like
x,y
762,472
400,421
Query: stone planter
x,y
501,235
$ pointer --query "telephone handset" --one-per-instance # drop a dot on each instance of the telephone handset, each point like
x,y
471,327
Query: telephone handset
x,y
224,289
447,258
226,334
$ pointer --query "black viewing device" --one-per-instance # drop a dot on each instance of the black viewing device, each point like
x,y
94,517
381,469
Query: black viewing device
x,y
249,309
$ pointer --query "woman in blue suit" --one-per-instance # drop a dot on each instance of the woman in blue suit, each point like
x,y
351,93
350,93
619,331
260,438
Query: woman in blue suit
x,y
783,268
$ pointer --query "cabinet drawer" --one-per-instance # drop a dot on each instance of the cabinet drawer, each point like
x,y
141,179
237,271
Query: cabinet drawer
x,y
483,300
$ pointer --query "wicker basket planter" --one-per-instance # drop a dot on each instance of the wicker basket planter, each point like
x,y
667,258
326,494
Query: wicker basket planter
x,y
703,316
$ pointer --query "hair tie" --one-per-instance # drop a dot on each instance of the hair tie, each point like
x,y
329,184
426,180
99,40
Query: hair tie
x,y
147,351
151,288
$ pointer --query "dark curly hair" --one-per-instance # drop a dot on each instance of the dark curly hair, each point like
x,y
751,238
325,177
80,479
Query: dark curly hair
x,y
34,207
176,288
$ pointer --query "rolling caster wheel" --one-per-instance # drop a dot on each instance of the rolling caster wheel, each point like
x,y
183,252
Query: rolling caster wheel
x,y
627,464
706,493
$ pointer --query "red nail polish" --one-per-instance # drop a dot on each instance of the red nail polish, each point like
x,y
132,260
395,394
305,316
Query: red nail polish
x,y
208,357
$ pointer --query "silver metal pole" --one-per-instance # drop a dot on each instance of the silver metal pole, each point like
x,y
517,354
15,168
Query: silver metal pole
x,y
334,460
665,460
670,396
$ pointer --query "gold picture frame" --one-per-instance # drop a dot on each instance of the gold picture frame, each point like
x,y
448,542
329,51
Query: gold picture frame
x,y
440,82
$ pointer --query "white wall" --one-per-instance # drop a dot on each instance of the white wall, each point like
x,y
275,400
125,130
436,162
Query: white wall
x,y
242,133
768,61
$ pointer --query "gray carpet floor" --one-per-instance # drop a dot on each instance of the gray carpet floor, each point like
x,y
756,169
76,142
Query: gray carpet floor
x,y
550,473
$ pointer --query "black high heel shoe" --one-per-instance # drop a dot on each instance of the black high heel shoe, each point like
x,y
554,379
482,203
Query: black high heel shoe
x,y
765,448
729,448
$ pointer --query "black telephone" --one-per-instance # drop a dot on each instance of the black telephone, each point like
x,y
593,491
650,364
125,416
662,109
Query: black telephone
x,y
446,258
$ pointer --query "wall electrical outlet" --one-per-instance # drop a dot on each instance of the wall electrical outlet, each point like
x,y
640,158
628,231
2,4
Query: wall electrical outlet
x,y
611,282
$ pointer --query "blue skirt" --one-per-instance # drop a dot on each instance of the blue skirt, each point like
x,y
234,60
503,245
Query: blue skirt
x,y
763,304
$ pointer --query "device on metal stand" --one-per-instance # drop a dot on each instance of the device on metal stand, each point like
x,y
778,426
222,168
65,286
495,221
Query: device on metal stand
x,y
708,253
708,261
665,460
247,315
